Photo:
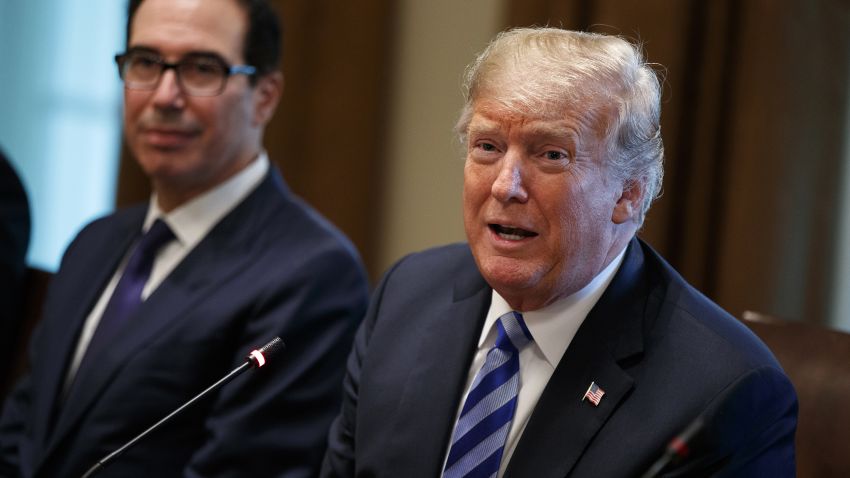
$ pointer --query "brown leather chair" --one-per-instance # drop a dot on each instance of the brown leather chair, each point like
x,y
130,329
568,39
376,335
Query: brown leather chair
x,y
817,360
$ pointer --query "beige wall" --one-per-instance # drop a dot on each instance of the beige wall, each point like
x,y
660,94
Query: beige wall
x,y
421,205
840,312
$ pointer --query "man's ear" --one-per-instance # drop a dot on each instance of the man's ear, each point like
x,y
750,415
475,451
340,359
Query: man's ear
x,y
629,203
267,93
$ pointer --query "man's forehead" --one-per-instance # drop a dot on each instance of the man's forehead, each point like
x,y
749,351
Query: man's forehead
x,y
582,115
482,121
182,26
490,115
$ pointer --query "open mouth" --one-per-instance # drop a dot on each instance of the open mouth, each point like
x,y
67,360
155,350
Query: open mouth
x,y
511,233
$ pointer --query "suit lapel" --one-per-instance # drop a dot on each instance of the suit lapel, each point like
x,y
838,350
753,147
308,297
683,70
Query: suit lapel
x,y
426,412
562,424
101,259
219,255
164,308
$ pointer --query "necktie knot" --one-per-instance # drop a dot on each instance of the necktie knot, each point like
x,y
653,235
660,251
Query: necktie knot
x,y
513,333
157,236
151,242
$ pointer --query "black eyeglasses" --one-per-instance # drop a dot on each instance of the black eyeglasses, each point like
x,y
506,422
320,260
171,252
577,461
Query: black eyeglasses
x,y
198,74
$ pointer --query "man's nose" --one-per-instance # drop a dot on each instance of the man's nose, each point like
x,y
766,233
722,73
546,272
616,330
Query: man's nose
x,y
168,93
510,182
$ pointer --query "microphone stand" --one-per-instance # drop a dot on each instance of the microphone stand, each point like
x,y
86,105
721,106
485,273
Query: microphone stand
x,y
678,448
257,358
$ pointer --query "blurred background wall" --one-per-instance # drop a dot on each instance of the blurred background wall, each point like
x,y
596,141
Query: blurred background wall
x,y
756,203
60,101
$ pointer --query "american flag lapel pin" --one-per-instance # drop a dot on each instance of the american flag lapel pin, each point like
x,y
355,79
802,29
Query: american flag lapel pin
x,y
594,393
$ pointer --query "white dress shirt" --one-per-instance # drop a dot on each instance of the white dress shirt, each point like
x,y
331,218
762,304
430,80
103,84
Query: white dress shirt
x,y
190,223
553,328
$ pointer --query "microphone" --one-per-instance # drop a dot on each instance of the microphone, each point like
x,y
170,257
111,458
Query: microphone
x,y
721,414
677,449
256,359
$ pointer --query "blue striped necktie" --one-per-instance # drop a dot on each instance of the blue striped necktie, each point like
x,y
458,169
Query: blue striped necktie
x,y
485,419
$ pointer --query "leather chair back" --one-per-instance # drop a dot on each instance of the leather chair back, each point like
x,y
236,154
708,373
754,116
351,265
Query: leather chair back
x,y
817,360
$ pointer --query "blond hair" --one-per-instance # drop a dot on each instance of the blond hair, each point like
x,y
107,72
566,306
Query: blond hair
x,y
546,70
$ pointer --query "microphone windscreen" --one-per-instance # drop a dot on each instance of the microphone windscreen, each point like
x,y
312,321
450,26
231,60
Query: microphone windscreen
x,y
260,356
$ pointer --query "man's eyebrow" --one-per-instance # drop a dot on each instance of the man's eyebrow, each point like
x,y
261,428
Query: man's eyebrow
x,y
483,127
142,49
203,53
559,131
148,49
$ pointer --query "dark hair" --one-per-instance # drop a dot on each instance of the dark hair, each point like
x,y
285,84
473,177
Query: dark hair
x,y
262,46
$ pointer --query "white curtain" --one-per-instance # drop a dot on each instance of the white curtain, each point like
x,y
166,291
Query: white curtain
x,y
60,112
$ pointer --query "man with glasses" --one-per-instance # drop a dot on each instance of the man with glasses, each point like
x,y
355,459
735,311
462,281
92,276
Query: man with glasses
x,y
156,302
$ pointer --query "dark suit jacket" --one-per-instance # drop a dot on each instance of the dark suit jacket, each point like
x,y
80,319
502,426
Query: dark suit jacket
x,y
661,351
270,267
14,239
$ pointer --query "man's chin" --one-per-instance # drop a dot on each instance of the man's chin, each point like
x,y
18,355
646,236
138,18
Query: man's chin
x,y
164,168
160,160
510,274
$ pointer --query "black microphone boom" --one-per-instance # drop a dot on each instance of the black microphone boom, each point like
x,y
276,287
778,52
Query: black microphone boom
x,y
256,358
678,448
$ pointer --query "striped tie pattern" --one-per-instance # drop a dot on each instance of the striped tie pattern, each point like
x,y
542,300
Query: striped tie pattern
x,y
485,419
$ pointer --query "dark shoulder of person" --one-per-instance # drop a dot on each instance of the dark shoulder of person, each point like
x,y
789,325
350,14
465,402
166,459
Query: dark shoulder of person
x,y
14,241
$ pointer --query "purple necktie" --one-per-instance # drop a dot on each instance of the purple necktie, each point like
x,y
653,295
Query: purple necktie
x,y
127,295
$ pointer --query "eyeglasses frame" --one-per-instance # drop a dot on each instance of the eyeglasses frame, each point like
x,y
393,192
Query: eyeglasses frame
x,y
229,71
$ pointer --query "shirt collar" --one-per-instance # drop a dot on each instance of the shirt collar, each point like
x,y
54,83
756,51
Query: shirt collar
x,y
192,221
554,326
